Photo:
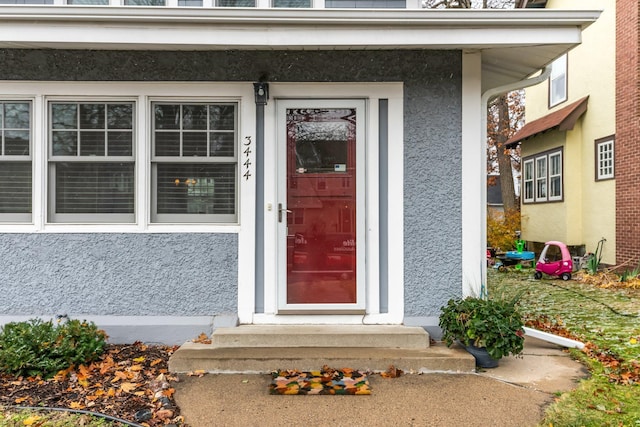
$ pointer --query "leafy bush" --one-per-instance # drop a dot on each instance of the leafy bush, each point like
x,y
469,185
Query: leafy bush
x,y
501,229
37,348
494,324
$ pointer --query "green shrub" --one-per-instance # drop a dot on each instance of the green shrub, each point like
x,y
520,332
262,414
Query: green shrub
x,y
501,229
37,348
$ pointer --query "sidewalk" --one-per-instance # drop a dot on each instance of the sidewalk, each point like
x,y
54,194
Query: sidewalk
x,y
514,394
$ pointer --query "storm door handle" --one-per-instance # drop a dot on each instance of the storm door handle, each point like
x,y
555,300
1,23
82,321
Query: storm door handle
x,y
280,210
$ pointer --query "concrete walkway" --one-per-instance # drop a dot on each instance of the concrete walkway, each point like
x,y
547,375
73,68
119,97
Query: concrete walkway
x,y
514,394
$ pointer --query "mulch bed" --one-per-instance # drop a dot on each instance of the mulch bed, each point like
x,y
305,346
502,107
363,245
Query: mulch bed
x,y
131,382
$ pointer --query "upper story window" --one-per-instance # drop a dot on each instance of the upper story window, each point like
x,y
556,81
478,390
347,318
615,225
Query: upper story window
x,y
604,158
15,161
542,177
558,81
91,162
194,162
292,3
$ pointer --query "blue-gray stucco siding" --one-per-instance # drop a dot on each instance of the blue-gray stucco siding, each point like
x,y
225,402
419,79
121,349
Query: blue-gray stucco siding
x,y
196,274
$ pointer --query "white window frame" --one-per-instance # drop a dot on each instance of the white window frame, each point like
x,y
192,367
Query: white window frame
x,y
209,160
104,218
543,176
605,158
528,182
39,93
18,217
558,79
554,193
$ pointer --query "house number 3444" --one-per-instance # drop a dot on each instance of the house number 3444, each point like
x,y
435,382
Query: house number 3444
x,y
246,165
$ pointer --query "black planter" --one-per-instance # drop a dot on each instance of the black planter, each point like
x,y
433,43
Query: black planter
x,y
483,360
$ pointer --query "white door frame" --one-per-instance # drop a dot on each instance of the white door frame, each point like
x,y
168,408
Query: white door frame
x,y
282,105
372,93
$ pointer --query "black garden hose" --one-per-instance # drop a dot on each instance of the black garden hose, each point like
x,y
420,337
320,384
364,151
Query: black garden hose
x,y
613,310
79,411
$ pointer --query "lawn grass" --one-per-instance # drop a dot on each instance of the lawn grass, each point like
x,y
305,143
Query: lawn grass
x,y
609,319
22,418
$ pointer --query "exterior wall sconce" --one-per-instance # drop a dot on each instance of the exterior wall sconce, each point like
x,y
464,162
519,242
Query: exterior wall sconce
x,y
261,91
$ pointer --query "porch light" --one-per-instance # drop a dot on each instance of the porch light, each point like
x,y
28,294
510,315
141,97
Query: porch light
x,y
261,91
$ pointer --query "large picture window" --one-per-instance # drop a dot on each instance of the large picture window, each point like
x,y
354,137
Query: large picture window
x,y
194,162
542,177
91,162
605,159
15,161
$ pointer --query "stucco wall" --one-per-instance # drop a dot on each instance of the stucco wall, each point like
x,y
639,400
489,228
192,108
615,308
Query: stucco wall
x,y
118,274
432,130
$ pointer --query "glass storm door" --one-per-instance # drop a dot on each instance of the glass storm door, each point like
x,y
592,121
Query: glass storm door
x,y
319,210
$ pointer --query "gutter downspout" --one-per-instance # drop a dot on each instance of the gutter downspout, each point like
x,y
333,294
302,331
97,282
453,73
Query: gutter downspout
x,y
487,97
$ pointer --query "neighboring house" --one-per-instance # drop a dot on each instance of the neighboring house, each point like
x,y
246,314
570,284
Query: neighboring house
x,y
569,143
494,195
168,169
627,144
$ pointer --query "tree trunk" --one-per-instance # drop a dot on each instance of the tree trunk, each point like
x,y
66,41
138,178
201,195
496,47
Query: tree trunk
x,y
504,159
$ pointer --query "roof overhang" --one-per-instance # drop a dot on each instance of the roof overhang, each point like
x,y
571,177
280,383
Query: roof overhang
x,y
563,119
514,43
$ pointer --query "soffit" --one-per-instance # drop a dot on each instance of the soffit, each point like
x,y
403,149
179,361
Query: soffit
x,y
514,43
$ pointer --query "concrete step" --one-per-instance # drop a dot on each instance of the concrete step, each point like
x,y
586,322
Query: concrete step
x,y
209,358
354,336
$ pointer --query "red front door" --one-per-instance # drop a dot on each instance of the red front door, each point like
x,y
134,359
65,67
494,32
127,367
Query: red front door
x,y
321,204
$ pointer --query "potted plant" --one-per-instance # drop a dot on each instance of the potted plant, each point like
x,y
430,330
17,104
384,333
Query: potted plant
x,y
485,327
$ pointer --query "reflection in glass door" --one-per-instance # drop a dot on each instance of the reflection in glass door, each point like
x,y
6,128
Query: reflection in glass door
x,y
321,206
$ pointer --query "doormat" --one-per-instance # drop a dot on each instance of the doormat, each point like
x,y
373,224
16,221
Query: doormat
x,y
325,381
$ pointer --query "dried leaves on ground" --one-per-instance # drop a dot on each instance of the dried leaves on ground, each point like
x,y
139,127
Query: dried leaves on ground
x,y
131,382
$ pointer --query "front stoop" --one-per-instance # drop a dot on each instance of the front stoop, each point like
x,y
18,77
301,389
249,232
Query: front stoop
x,y
262,349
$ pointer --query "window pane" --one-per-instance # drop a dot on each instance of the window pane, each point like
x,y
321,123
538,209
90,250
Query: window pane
x,y
26,1
120,116
99,2
194,144
291,3
92,188
196,188
16,115
120,143
555,165
189,2
92,143
15,187
368,4
64,116
167,116
236,3
91,116
16,143
144,2
167,143
194,117
65,143
555,187
222,117
223,144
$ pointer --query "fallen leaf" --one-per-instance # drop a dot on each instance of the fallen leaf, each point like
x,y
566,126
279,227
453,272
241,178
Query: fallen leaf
x,y
22,399
139,359
155,362
76,405
198,373
202,339
128,387
31,420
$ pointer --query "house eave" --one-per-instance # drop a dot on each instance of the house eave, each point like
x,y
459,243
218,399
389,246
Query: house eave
x,y
514,43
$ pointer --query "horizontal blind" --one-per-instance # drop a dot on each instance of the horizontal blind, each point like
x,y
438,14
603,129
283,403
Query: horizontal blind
x,y
15,187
